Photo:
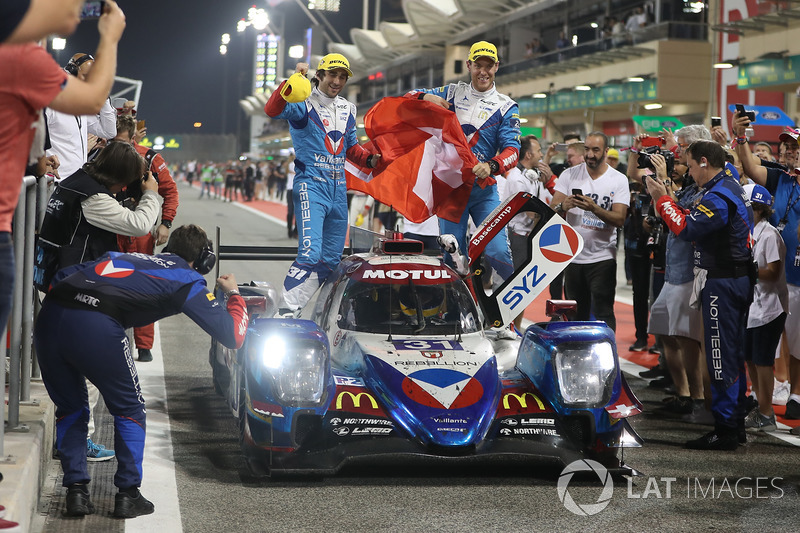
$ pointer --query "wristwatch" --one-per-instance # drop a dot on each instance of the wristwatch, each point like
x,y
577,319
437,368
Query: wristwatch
x,y
494,166
166,223
558,207
231,292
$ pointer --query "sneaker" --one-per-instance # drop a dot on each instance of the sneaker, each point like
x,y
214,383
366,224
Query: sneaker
x,y
144,355
792,410
7,526
677,405
127,506
78,501
699,415
758,422
654,372
660,383
655,350
780,394
97,452
750,404
719,439
638,346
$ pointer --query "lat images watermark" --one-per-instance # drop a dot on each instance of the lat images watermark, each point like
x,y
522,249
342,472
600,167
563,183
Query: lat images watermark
x,y
664,488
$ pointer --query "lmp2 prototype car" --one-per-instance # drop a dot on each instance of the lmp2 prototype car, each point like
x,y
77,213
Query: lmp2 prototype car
x,y
402,355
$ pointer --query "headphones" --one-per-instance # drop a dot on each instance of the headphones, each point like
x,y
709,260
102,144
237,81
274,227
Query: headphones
x,y
75,64
206,259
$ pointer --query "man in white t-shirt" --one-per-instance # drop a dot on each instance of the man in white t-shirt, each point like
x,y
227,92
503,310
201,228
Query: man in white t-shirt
x,y
593,198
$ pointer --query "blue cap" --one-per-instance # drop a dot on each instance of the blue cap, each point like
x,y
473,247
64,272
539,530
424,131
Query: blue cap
x,y
758,194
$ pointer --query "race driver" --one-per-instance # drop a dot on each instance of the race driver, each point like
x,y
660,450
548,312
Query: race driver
x,y
720,226
323,129
490,122
80,332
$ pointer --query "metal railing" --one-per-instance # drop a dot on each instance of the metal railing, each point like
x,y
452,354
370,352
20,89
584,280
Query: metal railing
x,y
22,365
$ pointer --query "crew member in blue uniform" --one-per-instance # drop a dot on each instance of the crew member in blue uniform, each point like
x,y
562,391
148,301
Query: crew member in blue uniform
x,y
80,333
720,226
490,122
322,125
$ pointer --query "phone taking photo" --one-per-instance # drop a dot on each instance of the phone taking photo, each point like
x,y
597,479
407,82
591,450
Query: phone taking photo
x,y
577,192
561,148
92,9
716,121
140,125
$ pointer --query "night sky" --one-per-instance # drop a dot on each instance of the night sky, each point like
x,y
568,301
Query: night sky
x,y
173,47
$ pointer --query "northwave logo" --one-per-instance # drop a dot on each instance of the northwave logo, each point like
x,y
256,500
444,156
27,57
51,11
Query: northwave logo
x,y
585,509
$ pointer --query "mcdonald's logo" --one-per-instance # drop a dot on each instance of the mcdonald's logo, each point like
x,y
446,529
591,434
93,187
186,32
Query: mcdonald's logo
x,y
522,400
356,399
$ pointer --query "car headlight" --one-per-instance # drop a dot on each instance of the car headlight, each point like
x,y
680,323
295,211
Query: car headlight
x,y
585,373
297,368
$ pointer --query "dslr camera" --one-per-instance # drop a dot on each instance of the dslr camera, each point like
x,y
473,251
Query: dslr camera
x,y
645,161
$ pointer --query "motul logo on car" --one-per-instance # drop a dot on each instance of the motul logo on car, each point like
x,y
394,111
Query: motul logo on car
x,y
405,274
673,214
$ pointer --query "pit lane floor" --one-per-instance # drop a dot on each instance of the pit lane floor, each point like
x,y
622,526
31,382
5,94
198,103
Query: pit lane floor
x,y
196,478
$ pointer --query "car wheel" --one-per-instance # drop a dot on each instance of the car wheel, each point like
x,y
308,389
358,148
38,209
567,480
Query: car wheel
x,y
254,459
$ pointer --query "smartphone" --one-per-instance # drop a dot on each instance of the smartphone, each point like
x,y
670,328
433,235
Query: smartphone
x,y
577,192
561,147
92,9
744,113
140,125
716,121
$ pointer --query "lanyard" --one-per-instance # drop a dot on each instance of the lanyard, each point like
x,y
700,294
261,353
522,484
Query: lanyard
x,y
785,217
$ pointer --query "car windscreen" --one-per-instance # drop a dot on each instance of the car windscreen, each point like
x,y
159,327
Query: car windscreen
x,y
408,308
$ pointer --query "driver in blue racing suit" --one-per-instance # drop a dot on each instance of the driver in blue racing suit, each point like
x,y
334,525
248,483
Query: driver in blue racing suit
x,y
720,226
323,129
81,332
490,122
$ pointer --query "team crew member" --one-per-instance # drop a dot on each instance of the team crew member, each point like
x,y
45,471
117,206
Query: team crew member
x,y
490,122
81,332
720,227
168,190
323,129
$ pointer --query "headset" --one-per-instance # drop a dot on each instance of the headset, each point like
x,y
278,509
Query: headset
x,y
75,64
206,259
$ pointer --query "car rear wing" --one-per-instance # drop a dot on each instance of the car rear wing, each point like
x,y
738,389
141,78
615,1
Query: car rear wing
x,y
551,246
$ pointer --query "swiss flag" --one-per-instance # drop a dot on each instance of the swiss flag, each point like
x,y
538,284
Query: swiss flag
x,y
426,164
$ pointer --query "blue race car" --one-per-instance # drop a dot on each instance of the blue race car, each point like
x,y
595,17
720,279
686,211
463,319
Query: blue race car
x,y
403,355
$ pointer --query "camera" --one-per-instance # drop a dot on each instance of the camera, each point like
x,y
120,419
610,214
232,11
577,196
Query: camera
x,y
644,160
133,192
653,141
657,235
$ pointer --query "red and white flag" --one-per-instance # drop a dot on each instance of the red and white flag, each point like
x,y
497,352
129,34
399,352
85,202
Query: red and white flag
x,y
426,163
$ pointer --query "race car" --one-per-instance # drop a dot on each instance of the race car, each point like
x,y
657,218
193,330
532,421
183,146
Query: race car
x,y
402,354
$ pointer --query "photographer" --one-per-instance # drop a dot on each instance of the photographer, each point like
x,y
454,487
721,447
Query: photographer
x,y
168,190
637,255
720,226
83,218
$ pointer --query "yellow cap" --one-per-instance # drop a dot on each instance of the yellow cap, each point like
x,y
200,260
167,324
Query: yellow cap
x,y
482,49
334,61
296,89
613,152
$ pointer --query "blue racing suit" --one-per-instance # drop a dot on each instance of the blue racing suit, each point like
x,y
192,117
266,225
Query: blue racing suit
x,y
720,226
80,333
490,122
323,131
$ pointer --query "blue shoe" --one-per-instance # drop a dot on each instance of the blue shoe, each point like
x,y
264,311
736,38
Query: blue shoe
x,y
97,452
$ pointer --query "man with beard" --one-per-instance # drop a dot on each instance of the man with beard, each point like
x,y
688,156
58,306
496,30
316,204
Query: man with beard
x,y
593,198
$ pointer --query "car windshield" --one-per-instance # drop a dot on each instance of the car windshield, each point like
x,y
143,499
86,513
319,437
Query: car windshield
x,y
408,308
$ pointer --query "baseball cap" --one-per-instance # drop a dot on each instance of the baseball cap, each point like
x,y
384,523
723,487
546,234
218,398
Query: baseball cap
x,y
334,61
758,194
482,49
613,153
296,89
789,134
